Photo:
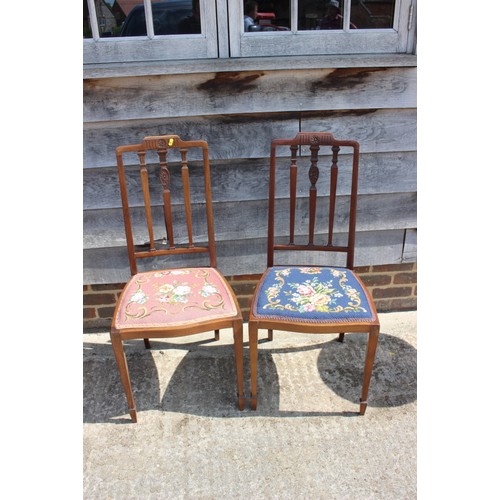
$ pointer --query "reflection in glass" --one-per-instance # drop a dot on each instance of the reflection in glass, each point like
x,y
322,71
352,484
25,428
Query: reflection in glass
x,y
373,14
87,30
328,14
332,18
268,16
134,23
118,18
319,14
190,22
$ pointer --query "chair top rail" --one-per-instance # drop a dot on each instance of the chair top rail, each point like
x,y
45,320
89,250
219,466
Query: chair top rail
x,y
160,142
314,138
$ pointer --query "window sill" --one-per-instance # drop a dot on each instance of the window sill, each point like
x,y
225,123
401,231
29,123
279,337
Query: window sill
x,y
117,70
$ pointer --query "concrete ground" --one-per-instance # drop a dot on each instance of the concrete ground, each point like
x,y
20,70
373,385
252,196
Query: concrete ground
x,y
305,440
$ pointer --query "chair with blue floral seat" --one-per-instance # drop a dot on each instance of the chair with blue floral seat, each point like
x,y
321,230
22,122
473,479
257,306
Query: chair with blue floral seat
x,y
159,196
304,297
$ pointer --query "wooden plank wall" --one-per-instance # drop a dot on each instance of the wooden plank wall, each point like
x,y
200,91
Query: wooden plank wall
x,y
238,113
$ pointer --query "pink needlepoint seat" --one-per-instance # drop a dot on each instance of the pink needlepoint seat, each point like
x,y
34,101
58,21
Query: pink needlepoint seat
x,y
174,297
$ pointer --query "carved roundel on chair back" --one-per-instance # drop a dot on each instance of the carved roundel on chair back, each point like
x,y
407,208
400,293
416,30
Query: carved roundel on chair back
x,y
162,142
315,138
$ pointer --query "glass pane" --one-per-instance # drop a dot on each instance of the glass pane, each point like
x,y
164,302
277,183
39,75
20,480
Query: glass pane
x,y
266,15
117,18
186,18
372,14
328,14
87,30
132,21
319,15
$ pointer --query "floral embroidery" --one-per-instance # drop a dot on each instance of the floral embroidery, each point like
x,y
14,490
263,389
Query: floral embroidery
x,y
318,294
312,295
208,290
309,270
171,294
160,274
173,297
140,297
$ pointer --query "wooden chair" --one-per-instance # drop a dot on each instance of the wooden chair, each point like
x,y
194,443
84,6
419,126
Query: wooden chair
x,y
312,298
171,302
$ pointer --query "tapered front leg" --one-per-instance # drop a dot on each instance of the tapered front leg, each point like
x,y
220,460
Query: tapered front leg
x,y
371,348
238,354
121,361
253,342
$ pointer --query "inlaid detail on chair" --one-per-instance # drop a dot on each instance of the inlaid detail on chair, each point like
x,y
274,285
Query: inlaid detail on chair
x,y
305,138
314,173
318,294
161,142
174,297
165,177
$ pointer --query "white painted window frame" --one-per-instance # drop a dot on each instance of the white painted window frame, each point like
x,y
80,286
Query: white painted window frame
x,y
222,36
321,42
154,47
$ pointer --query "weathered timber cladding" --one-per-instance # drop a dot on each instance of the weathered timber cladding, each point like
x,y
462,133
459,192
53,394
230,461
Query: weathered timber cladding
x,y
379,173
249,136
245,220
238,113
206,94
110,265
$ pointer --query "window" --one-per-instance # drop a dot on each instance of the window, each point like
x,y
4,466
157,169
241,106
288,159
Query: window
x,y
141,30
319,15
137,30
317,27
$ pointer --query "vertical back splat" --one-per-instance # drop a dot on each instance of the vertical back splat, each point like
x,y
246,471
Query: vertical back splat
x,y
293,191
147,200
313,178
334,169
187,197
167,203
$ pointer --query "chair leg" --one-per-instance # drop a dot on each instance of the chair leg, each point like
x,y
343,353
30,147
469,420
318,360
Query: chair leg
x,y
121,361
216,335
252,342
147,344
238,354
369,360
340,338
269,335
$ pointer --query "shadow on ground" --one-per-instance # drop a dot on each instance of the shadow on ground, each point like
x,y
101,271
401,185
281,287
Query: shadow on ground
x,y
204,381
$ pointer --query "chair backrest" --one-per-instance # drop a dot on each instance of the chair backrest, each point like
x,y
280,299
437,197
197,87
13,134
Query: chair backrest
x,y
161,164
304,156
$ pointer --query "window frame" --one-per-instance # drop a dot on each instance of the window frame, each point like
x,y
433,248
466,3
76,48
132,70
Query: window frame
x,y
320,42
154,47
223,36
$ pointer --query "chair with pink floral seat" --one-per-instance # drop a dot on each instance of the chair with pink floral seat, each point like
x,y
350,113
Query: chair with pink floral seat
x,y
177,300
312,298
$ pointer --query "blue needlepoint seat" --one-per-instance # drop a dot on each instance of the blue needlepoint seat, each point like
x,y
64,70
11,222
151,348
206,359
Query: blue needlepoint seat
x,y
312,294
